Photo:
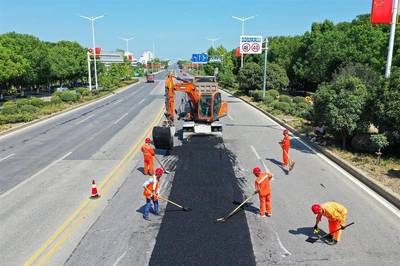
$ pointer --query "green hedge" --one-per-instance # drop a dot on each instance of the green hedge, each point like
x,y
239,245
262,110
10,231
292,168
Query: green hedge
x,y
283,106
29,109
299,99
69,96
83,91
273,93
285,99
37,102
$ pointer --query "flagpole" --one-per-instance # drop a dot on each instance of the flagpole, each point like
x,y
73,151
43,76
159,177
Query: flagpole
x,y
391,39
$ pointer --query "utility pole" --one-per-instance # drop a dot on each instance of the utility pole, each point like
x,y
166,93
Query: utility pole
x,y
213,40
89,71
242,19
127,43
391,39
92,19
265,66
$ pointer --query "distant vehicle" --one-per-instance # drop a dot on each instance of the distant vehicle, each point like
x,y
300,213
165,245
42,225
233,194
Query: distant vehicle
x,y
150,78
61,89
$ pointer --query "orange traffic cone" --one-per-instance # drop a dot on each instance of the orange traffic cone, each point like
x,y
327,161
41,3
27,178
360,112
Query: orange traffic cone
x,y
94,191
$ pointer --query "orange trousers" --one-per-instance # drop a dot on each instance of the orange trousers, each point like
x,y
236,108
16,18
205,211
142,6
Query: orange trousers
x,y
334,225
265,204
285,156
148,165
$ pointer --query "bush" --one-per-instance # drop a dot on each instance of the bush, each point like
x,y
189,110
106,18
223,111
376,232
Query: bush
x,y
22,102
250,77
277,77
9,108
37,102
29,109
283,106
302,106
55,99
269,100
285,99
299,99
273,93
83,91
257,95
68,96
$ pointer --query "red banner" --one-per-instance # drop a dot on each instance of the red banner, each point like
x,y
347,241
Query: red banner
x,y
381,11
237,52
98,51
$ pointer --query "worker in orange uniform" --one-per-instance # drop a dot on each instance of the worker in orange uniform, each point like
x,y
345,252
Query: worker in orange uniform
x,y
264,191
336,215
151,191
170,95
148,154
285,144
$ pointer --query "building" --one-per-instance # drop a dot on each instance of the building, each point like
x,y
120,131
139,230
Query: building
x,y
146,57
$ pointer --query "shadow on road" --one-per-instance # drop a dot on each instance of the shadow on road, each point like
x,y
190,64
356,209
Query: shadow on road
x,y
205,181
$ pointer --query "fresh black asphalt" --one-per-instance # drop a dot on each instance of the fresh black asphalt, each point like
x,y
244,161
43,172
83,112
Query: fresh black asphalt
x,y
205,181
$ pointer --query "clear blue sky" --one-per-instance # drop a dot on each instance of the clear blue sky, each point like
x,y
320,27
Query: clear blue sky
x,y
177,27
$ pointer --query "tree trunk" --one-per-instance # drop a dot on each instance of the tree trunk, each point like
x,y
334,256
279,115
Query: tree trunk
x,y
344,139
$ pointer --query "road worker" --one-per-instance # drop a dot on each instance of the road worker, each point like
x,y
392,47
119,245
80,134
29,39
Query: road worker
x,y
151,191
170,93
285,144
148,154
264,191
336,215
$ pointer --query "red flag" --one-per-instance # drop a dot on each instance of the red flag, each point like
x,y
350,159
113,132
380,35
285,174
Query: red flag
x,y
381,11
237,52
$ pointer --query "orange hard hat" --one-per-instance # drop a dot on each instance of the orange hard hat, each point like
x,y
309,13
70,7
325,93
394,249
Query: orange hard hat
x,y
159,171
147,140
256,170
285,131
316,208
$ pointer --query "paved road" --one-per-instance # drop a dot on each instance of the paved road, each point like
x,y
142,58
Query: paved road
x,y
209,175
46,169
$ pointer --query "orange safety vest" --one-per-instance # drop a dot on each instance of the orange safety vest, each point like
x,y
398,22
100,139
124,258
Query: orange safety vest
x,y
147,150
262,183
149,186
333,211
286,142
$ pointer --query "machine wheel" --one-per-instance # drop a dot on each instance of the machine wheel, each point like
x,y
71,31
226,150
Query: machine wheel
x,y
162,138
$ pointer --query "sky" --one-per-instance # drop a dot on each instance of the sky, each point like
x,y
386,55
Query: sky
x,y
177,28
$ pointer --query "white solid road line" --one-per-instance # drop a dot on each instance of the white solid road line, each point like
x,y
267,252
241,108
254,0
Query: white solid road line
x,y
118,101
119,119
259,158
230,117
8,156
364,187
33,176
83,120
287,253
119,258
141,101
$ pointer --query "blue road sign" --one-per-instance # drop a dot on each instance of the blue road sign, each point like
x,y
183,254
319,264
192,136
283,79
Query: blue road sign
x,y
200,58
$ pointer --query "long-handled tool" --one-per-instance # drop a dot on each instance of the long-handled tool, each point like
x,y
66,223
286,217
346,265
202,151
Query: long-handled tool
x,y
176,204
223,219
162,166
315,239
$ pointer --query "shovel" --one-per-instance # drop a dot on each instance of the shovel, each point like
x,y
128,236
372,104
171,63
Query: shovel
x,y
162,166
315,239
176,204
223,219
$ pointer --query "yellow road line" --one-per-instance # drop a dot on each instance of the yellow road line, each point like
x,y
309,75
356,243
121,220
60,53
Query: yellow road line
x,y
75,219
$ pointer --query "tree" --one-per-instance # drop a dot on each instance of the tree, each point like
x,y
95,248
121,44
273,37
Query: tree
x,y
339,105
276,77
380,141
250,77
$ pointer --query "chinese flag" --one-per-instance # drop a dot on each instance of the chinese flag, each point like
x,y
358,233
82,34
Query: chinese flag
x,y
381,11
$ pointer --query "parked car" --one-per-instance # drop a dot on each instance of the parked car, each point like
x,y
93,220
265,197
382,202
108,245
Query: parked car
x,y
61,89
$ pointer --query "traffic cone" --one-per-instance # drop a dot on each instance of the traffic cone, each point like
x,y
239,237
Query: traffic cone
x,y
94,191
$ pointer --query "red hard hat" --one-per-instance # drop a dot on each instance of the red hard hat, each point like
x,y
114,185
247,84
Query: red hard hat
x,y
316,208
285,131
256,170
159,171
147,140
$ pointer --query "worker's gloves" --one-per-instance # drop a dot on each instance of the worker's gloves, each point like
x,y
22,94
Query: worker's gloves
x,y
256,191
342,227
316,229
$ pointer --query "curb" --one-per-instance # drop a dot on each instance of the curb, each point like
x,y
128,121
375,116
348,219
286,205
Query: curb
x,y
24,125
376,186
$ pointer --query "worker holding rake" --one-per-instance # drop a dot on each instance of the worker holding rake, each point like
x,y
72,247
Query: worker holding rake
x,y
151,191
148,154
336,215
264,191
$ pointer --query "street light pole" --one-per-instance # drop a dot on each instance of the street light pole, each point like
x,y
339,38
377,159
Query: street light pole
x,y
212,40
89,71
127,43
242,19
391,39
92,19
265,67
